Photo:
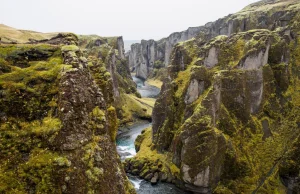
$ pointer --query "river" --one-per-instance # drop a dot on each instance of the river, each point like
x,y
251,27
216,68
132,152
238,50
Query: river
x,y
125,146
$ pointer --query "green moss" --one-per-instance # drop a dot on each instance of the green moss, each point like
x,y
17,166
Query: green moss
x,y
226,123
4,66
231,54
251,161
234,167
131,108
14,51
32,88
98,114
47,127
67,48
39,171
107,75
92,172
40,168
112,122
182,81
151,160
97,121
158,64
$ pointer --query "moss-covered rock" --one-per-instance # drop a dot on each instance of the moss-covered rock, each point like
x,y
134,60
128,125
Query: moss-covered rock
x,y
57,132
105,58
227,116
270,15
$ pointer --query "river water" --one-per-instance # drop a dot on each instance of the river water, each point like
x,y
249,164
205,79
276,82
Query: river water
x,y
146,90
125,146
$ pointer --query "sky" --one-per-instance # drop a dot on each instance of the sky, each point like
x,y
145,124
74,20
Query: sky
x,y
132,19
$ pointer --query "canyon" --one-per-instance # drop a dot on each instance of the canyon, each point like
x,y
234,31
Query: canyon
x,y
213,109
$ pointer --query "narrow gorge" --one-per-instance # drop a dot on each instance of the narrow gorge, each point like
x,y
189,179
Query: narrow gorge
x,y
212,109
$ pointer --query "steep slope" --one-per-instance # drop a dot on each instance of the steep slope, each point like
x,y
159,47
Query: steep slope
x,y
269,14
99,51
109,52
57,125
227,119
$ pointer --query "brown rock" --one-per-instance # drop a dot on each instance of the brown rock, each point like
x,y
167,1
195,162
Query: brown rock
x,y
149,177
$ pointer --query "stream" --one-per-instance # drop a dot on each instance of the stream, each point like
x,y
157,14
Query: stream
x,y
146,90
125,146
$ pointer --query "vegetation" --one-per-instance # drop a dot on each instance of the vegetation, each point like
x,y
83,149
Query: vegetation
x,y
253,139
12,35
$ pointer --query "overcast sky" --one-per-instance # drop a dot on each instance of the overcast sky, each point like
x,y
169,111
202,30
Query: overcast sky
x,y
133,19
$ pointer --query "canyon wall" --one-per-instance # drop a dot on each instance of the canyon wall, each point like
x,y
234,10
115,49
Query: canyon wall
x,y
58,120
227,118
108,53
266,14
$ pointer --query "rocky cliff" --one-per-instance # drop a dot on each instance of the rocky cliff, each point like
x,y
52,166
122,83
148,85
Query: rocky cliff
x,y
227,119
58,122
149,55
108,52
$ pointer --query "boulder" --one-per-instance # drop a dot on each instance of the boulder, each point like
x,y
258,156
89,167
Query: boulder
x,y
154,179
149,177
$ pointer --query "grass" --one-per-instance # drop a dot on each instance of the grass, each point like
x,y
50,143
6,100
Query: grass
x,y
70,48
40,70
182,80
155,82
149,102
9,34
146,152
133,108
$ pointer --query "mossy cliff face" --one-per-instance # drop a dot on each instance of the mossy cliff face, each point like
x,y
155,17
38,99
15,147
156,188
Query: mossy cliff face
x,y
228,116
266,14
106,60
57,132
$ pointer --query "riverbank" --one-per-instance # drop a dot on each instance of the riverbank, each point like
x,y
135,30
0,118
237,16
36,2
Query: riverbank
x,y
128,134
155,82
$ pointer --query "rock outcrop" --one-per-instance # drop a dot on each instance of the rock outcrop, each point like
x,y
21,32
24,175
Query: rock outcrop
x,y
227,116
107,53
57,125
267,14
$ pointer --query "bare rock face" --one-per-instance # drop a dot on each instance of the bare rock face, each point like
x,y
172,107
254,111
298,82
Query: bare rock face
x,y
112,68
194,90
212,58
121,50
77,94
143,55
255,61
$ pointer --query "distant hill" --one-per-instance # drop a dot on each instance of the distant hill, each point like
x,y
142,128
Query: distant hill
x,y
9,34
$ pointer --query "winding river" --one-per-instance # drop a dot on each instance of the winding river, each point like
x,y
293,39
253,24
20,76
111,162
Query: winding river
x,y
125,146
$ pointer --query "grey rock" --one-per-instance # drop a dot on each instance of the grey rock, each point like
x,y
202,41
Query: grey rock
x,y
194,90
121,51
154,179
266,129
143,55
212,58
